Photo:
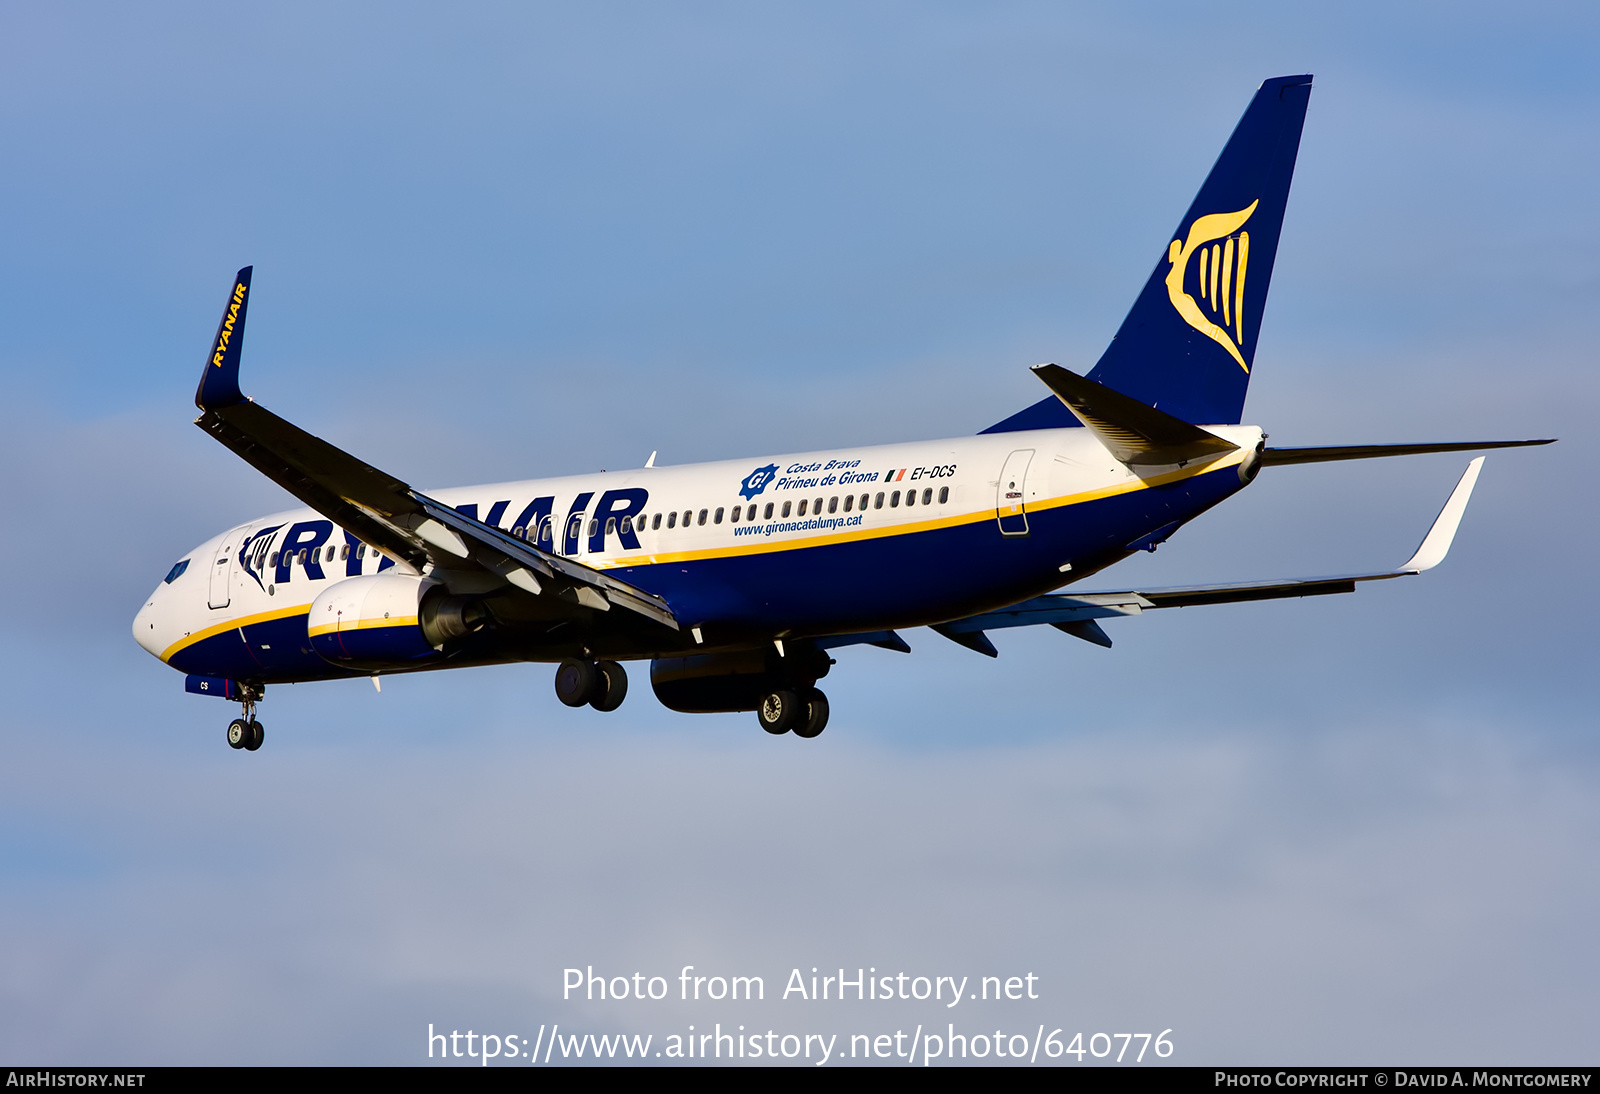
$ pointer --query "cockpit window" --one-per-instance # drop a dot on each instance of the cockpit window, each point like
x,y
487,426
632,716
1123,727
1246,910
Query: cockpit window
x,y
176,572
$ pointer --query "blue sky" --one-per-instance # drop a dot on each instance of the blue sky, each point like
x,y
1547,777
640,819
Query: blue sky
x,y
504,241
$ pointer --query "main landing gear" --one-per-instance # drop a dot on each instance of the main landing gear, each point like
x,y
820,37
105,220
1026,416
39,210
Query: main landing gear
x,y
801,710
245,732
599,684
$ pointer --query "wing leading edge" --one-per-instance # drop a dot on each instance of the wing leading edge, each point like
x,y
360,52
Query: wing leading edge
x,y
379,508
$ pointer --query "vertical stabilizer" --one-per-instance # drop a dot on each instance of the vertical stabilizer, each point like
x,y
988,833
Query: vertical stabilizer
x,y
1189,343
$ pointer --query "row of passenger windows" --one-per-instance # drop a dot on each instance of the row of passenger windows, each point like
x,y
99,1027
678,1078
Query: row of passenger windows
x,y
304,555
785,510
654,521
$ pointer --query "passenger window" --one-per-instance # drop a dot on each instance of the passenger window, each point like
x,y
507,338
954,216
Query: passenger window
x,y
305,553
672,519
702,520
717,517
611,526
849,501
594,526
738,511
750,514
786,508
944,494
816,506
927,496
657,523
833,505
894,500
877,502
688,517
911,497
802,507
344,552
330,554
177,571
768,514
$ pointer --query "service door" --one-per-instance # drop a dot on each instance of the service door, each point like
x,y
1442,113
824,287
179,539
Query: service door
x,y
1010,501
222,565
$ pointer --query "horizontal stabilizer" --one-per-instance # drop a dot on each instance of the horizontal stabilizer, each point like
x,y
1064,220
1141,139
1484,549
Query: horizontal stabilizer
x,y
1273,456
1133,432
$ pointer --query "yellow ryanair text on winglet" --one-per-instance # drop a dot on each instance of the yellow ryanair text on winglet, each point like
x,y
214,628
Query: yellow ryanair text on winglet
x,y
227,324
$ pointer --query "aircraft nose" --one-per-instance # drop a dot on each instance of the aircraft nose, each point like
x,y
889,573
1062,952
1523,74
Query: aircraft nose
x,y
144,627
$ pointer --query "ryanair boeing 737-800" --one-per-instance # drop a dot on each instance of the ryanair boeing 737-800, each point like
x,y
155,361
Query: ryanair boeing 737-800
x,y
737,580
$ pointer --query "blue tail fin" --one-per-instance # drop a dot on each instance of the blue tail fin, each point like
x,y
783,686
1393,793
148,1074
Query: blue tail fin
x,y
1188,345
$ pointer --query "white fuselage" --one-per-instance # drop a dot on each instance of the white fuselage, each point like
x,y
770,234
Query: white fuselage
x,y
680,519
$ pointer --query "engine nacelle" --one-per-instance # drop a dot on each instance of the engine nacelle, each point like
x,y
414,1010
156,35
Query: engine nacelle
x,y
717,682
388,619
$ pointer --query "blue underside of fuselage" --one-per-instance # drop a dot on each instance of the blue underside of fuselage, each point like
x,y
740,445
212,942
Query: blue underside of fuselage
x,y
858,585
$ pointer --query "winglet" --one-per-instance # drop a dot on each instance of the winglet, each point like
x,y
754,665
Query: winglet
x,y
1436,544
219,383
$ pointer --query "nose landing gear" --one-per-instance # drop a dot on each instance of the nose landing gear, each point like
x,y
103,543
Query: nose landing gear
x,y
245,732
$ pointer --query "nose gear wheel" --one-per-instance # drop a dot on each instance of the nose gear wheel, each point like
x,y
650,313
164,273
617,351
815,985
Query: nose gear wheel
x,y
244,731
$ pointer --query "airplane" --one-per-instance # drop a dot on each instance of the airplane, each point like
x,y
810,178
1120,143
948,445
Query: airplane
x,y
738,580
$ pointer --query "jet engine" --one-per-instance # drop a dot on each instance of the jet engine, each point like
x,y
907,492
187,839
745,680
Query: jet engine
x,y
389,619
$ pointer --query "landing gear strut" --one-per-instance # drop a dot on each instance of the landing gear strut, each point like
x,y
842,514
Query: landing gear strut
x,y
245,732
599,684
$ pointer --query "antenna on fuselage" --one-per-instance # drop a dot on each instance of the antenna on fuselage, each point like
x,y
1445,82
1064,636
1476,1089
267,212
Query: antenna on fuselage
x,y
651,462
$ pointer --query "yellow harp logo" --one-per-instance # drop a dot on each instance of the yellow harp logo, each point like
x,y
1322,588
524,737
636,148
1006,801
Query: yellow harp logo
x,y
1223,260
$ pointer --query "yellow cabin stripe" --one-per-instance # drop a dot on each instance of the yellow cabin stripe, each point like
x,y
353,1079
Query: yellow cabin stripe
x,y
770,545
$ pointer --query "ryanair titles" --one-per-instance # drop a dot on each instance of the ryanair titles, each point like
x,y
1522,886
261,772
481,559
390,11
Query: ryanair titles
x,y
225,335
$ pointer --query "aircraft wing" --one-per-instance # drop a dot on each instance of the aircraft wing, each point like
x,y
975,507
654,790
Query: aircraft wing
x,y
379,508
1078,613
